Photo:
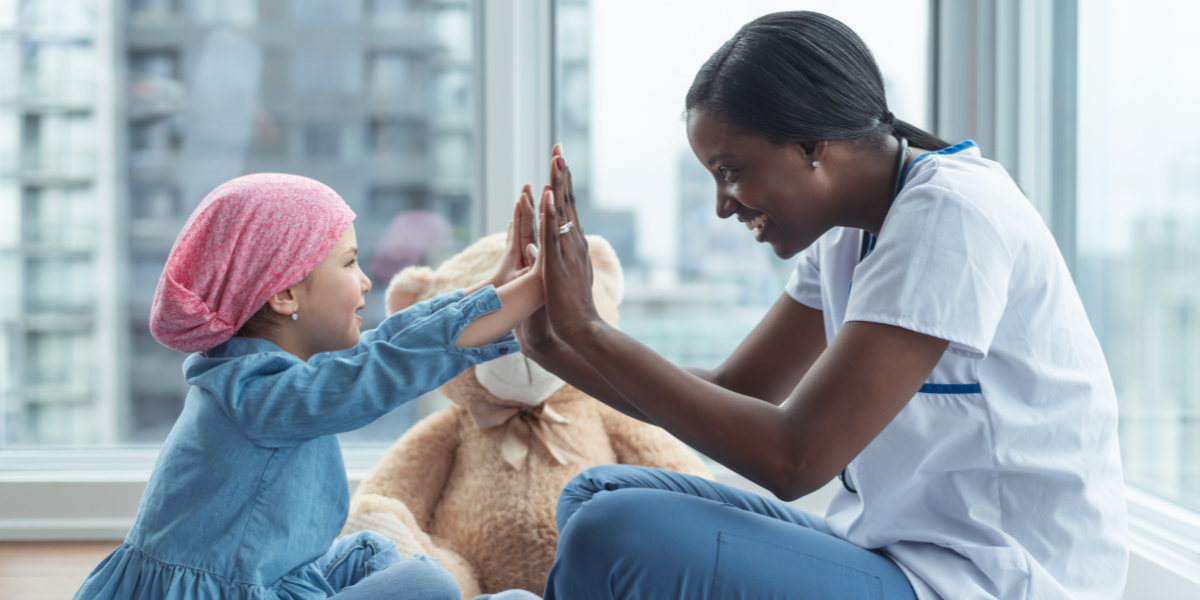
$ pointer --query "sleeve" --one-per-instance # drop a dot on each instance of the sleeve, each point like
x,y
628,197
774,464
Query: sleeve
x,y
398,321
804,284
276,400
941,267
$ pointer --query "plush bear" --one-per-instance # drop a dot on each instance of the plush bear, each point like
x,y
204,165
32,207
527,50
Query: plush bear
x,y
476,484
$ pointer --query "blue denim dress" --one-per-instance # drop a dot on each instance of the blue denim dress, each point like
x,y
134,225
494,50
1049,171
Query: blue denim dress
x,y
250,488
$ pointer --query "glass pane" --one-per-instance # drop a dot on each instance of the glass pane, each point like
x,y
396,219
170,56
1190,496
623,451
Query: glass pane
x,y
372,97
695,284
1139,229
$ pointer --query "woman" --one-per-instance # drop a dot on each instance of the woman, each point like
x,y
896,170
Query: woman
x,y
930,349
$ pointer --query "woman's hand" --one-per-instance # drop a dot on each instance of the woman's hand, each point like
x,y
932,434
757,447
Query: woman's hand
x,y
564,263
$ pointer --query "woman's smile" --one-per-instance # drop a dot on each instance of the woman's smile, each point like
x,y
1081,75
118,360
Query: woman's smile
x,y
758,224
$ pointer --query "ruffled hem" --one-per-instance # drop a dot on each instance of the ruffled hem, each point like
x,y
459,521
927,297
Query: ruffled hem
x,y
130,574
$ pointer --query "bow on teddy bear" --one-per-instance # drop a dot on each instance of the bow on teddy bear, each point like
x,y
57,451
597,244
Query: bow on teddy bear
x,y
476,484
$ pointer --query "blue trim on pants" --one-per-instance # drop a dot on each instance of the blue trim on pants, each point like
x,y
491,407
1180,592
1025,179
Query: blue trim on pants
x,y
635,532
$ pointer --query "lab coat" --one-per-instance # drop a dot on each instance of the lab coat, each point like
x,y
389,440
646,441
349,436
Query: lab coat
x,y
1002,477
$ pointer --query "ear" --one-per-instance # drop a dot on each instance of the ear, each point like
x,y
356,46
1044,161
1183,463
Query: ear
x,y
406,287
814,151
284,303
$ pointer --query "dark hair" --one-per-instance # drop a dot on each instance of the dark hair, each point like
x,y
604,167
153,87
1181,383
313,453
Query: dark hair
x,y
258,323
800,77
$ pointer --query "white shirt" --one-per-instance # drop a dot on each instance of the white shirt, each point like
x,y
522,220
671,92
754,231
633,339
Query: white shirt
x,y
1002,478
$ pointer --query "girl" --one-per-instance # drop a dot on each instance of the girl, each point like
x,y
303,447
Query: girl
x,y
930,348
249,491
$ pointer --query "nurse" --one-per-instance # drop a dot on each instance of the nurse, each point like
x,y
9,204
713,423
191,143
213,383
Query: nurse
x,y
930,350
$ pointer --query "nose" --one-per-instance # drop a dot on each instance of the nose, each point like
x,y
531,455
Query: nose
x,y
726,206
366,284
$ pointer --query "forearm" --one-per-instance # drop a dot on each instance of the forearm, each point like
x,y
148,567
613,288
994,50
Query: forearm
x,y
518,299
565,363
743,433
709,375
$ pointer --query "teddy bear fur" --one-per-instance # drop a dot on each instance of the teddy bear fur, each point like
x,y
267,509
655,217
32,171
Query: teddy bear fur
x,y
444,488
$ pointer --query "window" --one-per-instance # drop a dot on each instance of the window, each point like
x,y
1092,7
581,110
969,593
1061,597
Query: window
x,y
1138,229
695,285
202,91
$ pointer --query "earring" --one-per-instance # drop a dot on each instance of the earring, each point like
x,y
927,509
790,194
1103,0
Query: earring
x,y
816,163
295,316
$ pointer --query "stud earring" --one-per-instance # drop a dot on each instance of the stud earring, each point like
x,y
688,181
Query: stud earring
x,y
816,163
295,316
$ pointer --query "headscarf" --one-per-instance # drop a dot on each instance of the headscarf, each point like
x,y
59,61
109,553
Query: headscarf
x,y
249,239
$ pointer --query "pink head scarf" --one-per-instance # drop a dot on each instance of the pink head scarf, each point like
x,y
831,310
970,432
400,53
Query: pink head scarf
x,y
249,239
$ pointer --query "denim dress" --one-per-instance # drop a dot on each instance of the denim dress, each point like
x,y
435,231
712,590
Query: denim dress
x,y
250,488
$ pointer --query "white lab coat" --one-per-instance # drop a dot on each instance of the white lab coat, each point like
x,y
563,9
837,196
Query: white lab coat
x,y
1002,478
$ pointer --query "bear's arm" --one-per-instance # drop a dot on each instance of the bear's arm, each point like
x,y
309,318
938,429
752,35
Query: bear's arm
x,y
638,443
415,469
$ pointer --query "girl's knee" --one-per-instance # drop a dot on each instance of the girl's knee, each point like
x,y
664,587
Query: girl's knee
x,y
424,573
369,539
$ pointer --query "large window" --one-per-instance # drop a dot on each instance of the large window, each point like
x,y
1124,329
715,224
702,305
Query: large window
x,y
695,284
1139,229
113,127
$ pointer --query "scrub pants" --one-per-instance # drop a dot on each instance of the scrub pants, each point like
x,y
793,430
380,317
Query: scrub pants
x,y
635,532
367,566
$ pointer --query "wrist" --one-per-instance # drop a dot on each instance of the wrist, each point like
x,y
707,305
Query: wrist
x,y
586,330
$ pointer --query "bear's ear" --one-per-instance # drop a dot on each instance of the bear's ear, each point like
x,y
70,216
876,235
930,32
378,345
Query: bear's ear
x,y
406,287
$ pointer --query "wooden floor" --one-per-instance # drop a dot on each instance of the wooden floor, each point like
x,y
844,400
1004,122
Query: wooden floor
x,y
47,570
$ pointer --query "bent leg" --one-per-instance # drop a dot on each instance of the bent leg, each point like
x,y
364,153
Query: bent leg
x,y
367,566
625,541
418,578
619,477
354,557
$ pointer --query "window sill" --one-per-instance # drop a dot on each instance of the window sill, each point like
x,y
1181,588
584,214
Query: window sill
x,y
93,495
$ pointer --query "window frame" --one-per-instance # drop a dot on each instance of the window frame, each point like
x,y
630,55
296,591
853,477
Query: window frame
x,y
513,98
982,55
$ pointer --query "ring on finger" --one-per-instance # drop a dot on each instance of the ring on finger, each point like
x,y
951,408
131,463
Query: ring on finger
x,y
565,227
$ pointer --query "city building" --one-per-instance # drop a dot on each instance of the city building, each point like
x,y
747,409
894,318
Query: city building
x,y
54,250
115,143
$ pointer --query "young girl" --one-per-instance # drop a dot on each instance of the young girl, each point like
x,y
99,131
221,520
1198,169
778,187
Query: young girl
x,y
250,491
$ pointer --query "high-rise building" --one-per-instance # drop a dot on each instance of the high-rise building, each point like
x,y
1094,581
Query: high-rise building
x,y
573,75
52,246
112,148
722,251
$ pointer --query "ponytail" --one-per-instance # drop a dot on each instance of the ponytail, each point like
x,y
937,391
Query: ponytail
x,y
917,137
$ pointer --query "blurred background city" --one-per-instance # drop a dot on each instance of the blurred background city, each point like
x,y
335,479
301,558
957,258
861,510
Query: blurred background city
x,y
118,116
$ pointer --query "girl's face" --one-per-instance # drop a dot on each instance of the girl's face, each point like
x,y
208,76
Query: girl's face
x,y
328,300
772,188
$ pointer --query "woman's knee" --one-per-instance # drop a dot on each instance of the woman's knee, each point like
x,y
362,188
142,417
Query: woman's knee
x,y
606,527
622,539
587,484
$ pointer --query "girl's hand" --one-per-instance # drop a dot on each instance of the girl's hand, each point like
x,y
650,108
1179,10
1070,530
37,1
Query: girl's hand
x,y
520,233
564,263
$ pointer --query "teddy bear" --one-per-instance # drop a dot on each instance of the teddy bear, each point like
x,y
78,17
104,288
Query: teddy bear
x,y
476,484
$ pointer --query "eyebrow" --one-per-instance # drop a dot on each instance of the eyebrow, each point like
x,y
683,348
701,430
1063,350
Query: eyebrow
x,y
717,157
352,250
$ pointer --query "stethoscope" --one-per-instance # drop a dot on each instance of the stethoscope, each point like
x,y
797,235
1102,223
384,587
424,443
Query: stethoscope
x,y
868,244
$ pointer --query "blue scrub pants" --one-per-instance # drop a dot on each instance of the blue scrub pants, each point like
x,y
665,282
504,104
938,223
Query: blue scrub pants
x,y
367,566
635,532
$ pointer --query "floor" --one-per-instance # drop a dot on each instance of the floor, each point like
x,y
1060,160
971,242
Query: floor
x,y
55,570
47,570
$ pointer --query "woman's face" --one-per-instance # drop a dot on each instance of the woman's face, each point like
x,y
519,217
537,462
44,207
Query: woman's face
x,y
772,188
330,298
